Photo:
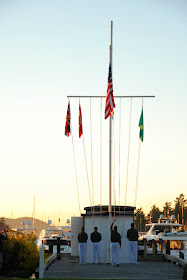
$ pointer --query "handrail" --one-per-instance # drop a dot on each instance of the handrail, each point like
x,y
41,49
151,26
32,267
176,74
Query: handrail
x,y
175,260
47,263
50,260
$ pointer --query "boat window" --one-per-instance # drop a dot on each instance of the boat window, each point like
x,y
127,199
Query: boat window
x,y
159,228
147,228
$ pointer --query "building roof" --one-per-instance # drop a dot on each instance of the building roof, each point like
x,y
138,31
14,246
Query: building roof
x,y
103,210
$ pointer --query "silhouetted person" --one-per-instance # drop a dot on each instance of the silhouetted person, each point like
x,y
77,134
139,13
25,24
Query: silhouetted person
x,y
115,244
82,238
96,238
132,235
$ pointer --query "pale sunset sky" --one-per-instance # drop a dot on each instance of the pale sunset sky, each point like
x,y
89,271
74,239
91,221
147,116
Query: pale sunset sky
x,y
51,49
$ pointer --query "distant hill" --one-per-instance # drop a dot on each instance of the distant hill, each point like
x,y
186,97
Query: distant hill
x,y
16,223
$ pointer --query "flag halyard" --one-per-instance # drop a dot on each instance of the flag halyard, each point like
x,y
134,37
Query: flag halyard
x,y
68,121
80,121
110,104
141,126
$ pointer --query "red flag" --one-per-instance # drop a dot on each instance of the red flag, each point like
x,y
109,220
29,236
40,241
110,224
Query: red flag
x,y
109,105
68,121
80,122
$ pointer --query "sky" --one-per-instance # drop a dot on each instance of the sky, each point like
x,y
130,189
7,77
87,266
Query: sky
x,y
52,49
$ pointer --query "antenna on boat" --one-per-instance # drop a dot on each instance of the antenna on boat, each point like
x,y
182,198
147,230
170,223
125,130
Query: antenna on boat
x,y
33,213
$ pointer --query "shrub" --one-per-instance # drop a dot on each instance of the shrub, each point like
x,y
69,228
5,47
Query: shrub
x,y
20,256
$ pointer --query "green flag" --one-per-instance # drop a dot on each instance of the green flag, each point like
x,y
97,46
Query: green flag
x,y
141,126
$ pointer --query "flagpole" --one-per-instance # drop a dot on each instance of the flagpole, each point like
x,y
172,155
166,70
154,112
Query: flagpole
x,y
110,151
110,156
110,136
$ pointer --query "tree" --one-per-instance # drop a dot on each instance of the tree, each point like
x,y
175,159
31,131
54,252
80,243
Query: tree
x,y
154,214
140,220
3,224
167,209
179,203
181,200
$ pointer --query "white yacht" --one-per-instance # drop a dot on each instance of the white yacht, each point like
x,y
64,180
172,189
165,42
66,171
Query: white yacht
x,y
25,229
49,235
166,230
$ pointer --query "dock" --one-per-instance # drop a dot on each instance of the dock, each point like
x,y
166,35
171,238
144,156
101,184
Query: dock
x,y
68,268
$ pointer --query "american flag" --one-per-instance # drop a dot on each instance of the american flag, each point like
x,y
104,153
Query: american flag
x,y
109,105
68,121
80,122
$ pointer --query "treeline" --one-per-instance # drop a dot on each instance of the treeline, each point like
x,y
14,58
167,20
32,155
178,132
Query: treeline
x,y
180,206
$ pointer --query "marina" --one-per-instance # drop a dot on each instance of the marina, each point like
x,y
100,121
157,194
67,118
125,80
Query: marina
x,y
167,235
52,235
120,155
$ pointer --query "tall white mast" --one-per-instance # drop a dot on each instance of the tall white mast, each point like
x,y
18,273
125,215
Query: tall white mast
x,y
33,214
110,151
110,137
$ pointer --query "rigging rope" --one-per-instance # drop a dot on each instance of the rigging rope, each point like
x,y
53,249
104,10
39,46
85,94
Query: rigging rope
x,y
127,160
75,171
128,151
114,189
114,203
137,175
91,152
138,164
119,151
101,157
87,170
87,174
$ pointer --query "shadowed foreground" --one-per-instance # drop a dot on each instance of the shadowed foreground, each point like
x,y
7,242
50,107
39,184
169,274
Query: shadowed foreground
x,y
71,269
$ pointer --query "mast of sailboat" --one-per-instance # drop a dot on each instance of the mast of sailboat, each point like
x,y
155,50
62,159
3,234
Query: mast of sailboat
x,y
110,149
33,213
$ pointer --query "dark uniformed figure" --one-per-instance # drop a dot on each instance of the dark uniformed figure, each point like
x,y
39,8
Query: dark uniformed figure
x,y
115,244
82,238
132,235
96,238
